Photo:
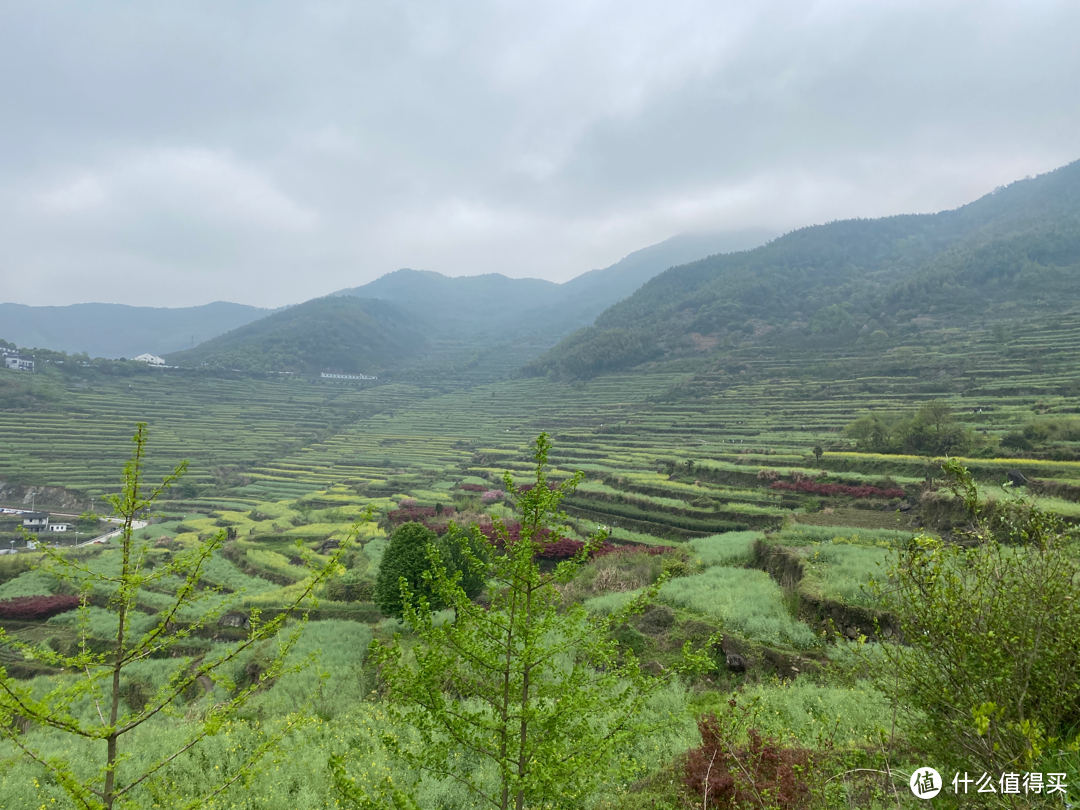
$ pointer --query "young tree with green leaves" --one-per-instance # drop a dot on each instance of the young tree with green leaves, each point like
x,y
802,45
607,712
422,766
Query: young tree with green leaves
x,y
930,430
525,701
988,675
98,772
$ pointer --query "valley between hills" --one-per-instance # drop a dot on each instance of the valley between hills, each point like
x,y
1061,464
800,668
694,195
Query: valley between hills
x,y
763,431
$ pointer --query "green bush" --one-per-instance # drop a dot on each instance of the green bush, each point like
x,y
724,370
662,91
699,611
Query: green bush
x,y
931,430
468,553
406,557
350,587
990,672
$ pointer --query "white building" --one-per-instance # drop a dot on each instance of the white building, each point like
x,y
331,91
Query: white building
x,y
19,363
35,521
152,359
59,527
326,375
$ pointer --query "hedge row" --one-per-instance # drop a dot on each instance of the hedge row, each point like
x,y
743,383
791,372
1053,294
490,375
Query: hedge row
x,y
838,489
36,608
665,517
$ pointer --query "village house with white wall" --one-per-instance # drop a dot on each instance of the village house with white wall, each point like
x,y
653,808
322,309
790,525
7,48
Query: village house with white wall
x,y
16,361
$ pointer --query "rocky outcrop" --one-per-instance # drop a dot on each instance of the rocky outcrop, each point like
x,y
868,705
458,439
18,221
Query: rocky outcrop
x,y
45,498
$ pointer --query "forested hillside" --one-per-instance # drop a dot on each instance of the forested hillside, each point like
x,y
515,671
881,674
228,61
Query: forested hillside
x,y
1012,253
342,334
403,315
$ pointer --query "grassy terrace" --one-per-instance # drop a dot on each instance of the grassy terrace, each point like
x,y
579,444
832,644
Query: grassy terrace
x,y
681,459
213,422
681,446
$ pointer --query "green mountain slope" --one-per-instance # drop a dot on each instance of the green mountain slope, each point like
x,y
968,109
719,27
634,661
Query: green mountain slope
x,y
338,334
493,307
478,307
1012,253
116,330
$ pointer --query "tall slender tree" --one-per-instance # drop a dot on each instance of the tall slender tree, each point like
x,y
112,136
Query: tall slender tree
x,y
97,677
526,687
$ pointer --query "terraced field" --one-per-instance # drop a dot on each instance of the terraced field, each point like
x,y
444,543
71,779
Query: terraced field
x,y
687,458
671,454
213,422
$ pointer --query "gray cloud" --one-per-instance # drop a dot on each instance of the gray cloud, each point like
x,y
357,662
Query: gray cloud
x,y
178,153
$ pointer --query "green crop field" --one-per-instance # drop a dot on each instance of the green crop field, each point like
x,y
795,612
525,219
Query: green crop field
x,y
685,456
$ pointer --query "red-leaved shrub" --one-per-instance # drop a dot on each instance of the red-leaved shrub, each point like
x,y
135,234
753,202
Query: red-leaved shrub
x,y
838,489
562,549
759,772
472,487
36,608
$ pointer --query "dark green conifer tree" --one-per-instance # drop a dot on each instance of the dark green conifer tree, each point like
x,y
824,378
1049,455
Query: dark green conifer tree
x,y
405,556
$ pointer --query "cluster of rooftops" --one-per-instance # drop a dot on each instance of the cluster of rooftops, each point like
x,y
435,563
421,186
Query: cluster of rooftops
x,y
40,521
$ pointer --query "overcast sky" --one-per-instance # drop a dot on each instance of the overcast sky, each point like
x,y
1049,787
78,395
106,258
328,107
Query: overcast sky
x,y
175,153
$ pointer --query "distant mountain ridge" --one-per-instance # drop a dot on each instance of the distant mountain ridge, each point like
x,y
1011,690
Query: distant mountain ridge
x,y
493,307
1011,252
398,317
482,310
118,330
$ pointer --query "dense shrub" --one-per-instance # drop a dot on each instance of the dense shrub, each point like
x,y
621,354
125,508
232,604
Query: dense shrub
x,y
990,671
36,608
405,557
350,588
472,487
930,430
756,772
838,489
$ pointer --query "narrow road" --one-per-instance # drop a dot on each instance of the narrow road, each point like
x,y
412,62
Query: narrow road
x,y
102,538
